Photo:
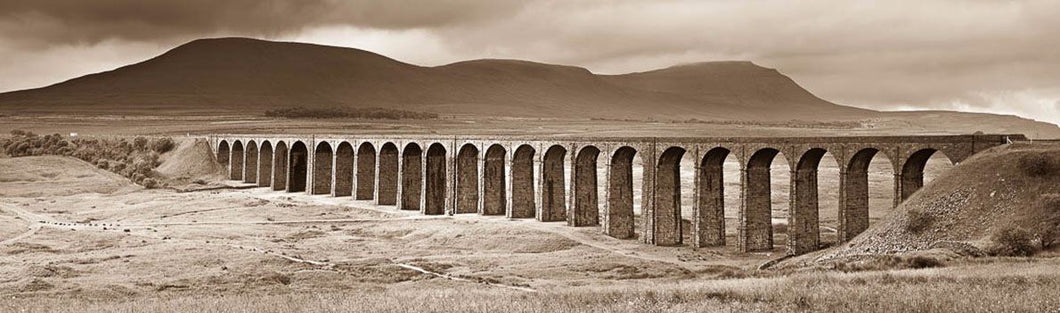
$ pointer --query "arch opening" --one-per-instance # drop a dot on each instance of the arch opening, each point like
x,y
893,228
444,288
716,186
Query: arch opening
x,y
411,177
620,200
388,174
586,208
523,205
494,196
434,191
859,197
914,176
365,171
553,185
467,179
298,167
265,164
236,171
279,177
804,217
666,218
756,220
224,152
322,164
709,219
344,170
251,165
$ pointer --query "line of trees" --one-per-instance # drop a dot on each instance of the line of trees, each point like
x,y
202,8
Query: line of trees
x,y
135,159
365,113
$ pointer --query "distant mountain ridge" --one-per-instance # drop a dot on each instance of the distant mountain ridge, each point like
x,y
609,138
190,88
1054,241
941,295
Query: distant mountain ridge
x,y
240,74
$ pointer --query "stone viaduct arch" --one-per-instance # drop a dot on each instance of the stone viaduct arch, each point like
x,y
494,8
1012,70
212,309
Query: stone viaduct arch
x,y
585,210
494,190
344,170
236,170
411,177
553,185
523,192
365,171
467,179
322,166
508,175
298,167
265,164
435,177
618,217
250,170
224,153
709,207
387,175
280,159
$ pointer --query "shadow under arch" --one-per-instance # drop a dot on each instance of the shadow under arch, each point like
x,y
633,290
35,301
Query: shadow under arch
x,y
224,152
756,216
523,203
709,212
494,195
279,159
344,170
322,168
250,167
619,219
586,208
435,176
236,170
365,172
298,166
467,179
666,213
265,165
553,185
387,186
411,177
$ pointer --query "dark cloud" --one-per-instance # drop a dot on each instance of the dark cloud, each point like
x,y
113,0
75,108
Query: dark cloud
x,y
998,56
63,21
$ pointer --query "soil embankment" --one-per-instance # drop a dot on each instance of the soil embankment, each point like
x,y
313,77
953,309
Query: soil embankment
x,y
1005,187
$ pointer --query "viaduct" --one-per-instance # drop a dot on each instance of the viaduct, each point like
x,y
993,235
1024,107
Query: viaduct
x,y
525,177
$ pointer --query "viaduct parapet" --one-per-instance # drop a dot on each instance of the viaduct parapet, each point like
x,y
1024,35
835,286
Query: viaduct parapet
x,y
555,179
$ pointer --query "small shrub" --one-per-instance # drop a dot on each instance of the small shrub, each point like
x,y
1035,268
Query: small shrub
x,y
1012,241
920,261
917,221
1037,165
140,143
1048,228
163,145
149,183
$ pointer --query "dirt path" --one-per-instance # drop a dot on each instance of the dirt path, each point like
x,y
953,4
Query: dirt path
x,y
38,221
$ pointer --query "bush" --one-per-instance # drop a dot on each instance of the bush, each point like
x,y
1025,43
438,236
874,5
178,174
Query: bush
x,y
917,221
149,183
920,261
365,113
140,143
1048,227
1013,241
1037,165
135,160
163,145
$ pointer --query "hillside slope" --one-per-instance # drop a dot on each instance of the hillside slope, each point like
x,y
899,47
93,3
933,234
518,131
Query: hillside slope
x,y
236,74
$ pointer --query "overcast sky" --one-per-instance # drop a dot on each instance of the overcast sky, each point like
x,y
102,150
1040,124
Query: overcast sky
x,y
983,56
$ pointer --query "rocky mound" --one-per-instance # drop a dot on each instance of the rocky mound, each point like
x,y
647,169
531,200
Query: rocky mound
x,y
999,189
191,160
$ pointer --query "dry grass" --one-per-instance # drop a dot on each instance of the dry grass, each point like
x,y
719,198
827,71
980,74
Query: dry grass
x,y
901,291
